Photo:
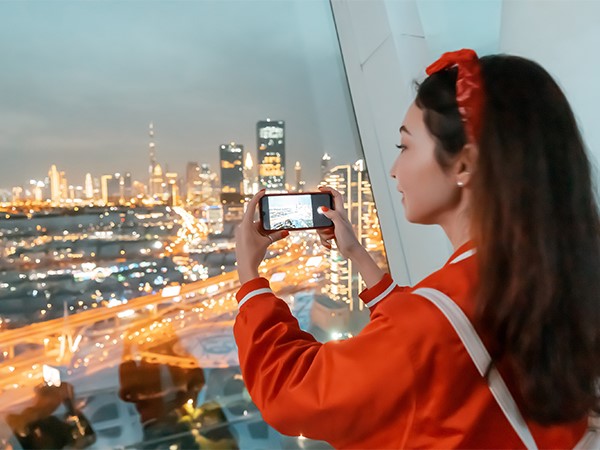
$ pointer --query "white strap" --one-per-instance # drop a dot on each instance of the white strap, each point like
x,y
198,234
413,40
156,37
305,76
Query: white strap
x,y
591,439
482,360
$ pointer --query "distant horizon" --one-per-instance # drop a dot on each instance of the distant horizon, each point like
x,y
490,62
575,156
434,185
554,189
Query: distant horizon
x,y
214,167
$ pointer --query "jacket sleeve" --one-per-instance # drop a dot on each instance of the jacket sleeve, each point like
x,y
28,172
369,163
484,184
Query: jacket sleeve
x,y
382,290
339,391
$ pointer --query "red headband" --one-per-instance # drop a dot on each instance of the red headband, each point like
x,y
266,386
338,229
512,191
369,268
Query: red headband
x,y
469,87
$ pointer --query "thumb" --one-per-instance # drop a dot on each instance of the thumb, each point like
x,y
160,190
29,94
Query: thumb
x,y
331,214
278,235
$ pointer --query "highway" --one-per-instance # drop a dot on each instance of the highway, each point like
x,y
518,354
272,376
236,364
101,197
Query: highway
x,y
90,341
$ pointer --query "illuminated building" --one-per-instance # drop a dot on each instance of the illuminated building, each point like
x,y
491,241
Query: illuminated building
x,y
138,189
325,165
173,188
299,187
89,187
232,177
64,187
104,180
353,183
115,190
155,173
270,136
156,186
71,193
55,185
37,190
127,187
17,194
250,179
192,180
208,184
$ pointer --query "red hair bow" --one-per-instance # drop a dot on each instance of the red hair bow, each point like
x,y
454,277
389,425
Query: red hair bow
x,y
469,87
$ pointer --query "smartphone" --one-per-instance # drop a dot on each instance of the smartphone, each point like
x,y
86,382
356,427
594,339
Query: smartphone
x,y
296,211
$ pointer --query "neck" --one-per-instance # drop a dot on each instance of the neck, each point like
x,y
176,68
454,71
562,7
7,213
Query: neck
x,y
456,225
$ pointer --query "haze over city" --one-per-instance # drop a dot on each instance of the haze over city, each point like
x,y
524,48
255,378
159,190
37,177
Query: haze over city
x,y
83,80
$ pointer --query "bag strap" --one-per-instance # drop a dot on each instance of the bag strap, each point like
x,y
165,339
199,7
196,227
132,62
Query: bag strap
x,y
480,356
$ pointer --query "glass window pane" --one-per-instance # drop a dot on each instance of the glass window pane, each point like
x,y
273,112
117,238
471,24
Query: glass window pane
x,y
132,135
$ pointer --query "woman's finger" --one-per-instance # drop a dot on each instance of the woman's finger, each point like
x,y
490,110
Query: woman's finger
x,y
338,200
326,243
278,235
326,233
332,214
249,214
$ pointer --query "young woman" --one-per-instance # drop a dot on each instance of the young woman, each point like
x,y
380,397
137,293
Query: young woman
x,y
490,151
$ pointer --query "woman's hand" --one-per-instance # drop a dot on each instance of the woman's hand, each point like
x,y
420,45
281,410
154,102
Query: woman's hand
x,y
342,231
251,242
346,240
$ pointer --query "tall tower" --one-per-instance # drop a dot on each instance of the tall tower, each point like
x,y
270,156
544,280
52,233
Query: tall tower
x,y
250,185
55,187
155,171
232,175
325,165
89,186
152,167
299,183
270,137
353,183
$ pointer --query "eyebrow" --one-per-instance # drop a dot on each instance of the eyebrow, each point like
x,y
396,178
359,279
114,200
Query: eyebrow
x,y
403,128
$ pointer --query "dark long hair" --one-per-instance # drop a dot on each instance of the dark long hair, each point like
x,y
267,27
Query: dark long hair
x,y
536,225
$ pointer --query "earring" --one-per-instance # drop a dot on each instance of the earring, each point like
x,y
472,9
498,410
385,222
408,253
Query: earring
x,y
460,183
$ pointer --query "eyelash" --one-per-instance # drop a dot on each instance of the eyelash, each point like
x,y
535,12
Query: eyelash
x,y
401,147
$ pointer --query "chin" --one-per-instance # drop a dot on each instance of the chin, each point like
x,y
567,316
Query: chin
x,y
419,219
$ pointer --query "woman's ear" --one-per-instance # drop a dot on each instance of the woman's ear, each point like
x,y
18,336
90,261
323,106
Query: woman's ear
x,y
464,165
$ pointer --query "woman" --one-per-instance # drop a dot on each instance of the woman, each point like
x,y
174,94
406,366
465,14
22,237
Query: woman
x,y
490,151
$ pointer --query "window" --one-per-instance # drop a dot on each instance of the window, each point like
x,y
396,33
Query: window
x,y
133,133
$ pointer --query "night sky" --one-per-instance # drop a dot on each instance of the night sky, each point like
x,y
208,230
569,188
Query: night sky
x,y
80,81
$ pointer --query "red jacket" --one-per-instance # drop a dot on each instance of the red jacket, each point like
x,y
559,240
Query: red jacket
x,y
406,381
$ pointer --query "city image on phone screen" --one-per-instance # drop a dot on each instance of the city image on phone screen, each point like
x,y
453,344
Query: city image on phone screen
x,y
294,211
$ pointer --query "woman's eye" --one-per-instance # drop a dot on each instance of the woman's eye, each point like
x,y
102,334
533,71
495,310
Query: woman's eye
x,y
401,147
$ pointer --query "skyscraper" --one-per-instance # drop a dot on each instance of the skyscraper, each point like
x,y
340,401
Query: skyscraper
x,y
153,163
270,136
156,180
64,186
55,184
250,183
325,165
208,184
232,176
104,180
353,183
114,189
173,188
127,187
89,186
192,180
299,187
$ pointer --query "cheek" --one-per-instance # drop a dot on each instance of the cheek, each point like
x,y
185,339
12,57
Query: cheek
x,y
426,190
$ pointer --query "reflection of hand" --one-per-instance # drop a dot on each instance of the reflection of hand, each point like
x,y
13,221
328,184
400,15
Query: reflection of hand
x,y
251,242
342,230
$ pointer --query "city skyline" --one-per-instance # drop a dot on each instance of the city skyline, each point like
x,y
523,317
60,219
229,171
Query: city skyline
x,y
80,95
142,177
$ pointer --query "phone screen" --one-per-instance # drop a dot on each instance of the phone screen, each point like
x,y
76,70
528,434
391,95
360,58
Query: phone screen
x,y
294,211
